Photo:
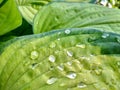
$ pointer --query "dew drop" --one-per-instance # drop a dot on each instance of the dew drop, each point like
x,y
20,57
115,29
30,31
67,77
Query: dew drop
x,y
80,45
71,75
34,65
34,55
105,35
52,45
52,80
81,85
69,53
69,63
60,67
52,58
67,31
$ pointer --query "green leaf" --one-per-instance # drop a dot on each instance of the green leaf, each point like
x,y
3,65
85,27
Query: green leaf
x,y
29,8
59,15
62,59
10,18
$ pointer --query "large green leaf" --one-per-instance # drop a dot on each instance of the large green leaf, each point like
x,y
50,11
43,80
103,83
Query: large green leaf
x,y
29,8
10,18
67,15
75,59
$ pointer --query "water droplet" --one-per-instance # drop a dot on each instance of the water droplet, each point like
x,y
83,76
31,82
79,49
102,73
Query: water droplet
x,y
81,85
52,80
52,45
34,65
69,53
60,67
80,45
67,31
52,58
71,75
34,55
105,35
69,63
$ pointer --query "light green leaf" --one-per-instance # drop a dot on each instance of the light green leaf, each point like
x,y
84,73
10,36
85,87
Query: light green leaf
x,y
60,60
67,15
10,18
29,8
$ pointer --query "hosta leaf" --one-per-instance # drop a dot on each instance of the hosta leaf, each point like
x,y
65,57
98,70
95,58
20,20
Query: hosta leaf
x,y
75,59
29,8
9,16
67,15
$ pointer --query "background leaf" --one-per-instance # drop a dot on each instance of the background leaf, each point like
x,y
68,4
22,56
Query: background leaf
x,y
10,18
67,15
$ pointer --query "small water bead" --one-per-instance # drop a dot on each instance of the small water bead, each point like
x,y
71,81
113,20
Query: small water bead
x,y
34,65
105,35
104,2
81,85
80,45
67,31
61,67
69,63
70,53
34,55
52,80
71,75
52,58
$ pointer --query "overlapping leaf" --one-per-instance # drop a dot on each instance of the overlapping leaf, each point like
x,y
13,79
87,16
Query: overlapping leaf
x,y
63,59
10,18
67,15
